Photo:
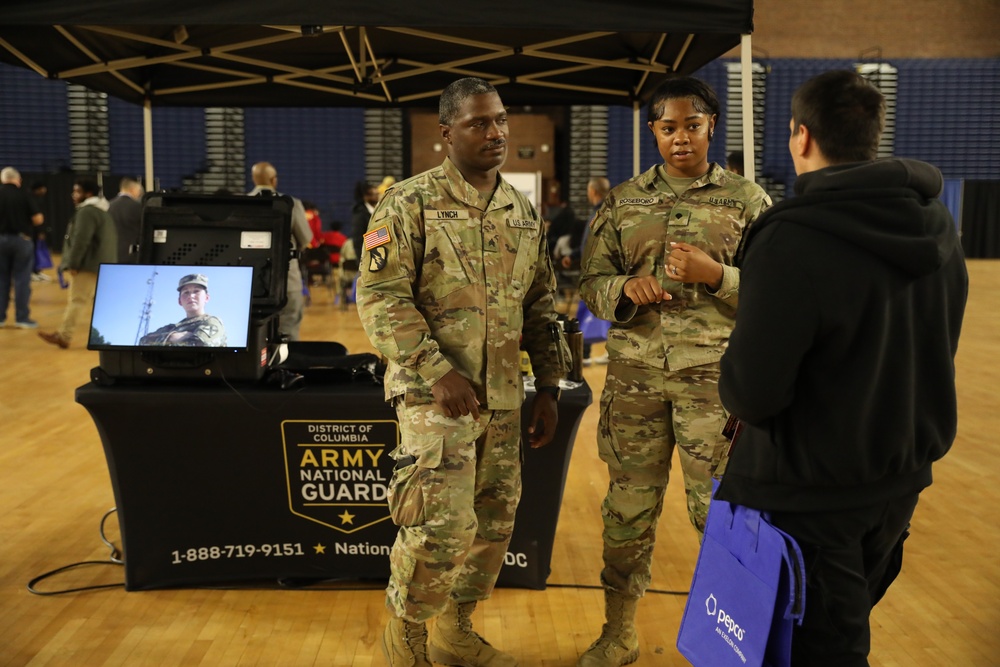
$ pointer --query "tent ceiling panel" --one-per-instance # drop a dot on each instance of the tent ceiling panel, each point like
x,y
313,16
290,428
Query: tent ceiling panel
x,y
579,52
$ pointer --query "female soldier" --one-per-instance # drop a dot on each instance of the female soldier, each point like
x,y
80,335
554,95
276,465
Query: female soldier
x,y
658,266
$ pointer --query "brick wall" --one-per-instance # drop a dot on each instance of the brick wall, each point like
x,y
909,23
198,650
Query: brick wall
x,y
900,28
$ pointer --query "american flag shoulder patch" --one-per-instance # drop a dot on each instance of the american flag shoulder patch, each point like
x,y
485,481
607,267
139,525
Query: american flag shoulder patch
x,y
377,237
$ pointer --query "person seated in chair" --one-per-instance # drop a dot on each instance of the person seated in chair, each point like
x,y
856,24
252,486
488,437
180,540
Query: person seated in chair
x,y
334,240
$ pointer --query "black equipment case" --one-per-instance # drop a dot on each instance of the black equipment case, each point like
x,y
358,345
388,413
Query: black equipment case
x,y
213,230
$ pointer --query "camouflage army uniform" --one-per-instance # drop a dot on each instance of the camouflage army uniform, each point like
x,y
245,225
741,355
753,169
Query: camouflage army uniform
x,y
662,382
449,281
208,331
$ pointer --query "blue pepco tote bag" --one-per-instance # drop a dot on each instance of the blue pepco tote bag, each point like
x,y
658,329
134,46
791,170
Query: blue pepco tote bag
x,y
748,590
595,330
43,258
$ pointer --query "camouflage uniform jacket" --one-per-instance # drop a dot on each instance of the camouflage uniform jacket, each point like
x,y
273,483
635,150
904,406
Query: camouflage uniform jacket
x,y
449,281
207,330
629,237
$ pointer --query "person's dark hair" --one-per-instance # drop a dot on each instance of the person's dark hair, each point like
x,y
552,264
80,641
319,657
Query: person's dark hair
x,y
845,115
88,186
735,161
456,92
700,93
360,188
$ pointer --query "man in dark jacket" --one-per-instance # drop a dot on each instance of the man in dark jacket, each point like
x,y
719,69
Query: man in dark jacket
x,y
126,211
19,217
841,363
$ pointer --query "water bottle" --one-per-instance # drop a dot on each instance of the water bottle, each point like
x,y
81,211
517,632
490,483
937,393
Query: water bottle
x,y
574,337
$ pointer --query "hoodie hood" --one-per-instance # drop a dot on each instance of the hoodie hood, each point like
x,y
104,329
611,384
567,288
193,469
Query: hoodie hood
x,y
887,207
98,201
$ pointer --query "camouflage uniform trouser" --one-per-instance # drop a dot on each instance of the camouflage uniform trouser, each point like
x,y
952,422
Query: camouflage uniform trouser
x,y
455,506
645,411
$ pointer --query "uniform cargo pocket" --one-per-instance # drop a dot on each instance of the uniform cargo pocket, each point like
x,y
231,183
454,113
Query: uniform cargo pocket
x,y
407,488
406,497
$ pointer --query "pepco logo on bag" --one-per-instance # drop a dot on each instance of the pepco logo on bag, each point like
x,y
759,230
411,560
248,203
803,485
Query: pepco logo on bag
x,y
732,627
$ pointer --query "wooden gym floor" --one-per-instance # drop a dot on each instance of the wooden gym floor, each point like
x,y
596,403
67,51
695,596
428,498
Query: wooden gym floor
x,y
54,489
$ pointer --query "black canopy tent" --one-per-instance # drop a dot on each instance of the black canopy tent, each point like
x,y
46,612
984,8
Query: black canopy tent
x,y
349,53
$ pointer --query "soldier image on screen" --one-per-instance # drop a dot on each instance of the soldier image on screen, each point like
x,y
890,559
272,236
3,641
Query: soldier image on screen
x,y
198,328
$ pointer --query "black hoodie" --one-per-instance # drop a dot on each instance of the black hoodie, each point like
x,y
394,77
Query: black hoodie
x,y
841,362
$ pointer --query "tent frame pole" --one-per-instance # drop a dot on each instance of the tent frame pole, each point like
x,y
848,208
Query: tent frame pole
x,y
746,75
147,140
635,138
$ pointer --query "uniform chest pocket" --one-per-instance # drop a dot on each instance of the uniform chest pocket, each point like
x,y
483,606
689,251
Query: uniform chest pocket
x,y
525,253
451,256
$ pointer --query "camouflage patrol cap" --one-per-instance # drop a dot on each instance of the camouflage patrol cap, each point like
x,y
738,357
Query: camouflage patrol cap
x,y
193,279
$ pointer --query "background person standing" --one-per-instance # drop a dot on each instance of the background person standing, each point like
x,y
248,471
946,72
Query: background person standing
x,y
90,241
19,216
265,179
126,211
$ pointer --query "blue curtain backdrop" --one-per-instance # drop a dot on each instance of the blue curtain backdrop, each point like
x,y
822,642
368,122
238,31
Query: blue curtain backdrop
x,y
946,115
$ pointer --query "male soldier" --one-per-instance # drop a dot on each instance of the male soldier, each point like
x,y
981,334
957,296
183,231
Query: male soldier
x,y
842,361
197,329
658,266
453,273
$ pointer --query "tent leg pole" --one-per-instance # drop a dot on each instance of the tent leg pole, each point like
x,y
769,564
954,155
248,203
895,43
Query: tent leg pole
x,y
746,72
635,138
147,138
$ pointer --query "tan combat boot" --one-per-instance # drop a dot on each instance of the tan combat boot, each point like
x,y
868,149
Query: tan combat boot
x,y
453,642
405,644
618,643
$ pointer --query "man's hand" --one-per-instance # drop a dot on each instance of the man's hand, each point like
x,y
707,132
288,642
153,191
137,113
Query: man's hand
x,y
689,264
455,395
643,290
544,417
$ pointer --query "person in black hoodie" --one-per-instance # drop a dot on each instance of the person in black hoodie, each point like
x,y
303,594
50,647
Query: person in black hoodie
x,y
841,362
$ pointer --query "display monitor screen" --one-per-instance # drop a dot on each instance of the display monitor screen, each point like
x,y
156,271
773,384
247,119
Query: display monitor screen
x,y
171,307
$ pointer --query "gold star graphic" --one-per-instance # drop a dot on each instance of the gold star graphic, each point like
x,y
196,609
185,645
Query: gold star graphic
x,y
347,517
320,548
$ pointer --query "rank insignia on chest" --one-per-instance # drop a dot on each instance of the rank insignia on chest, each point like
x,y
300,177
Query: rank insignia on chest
x,y
377,237
377,258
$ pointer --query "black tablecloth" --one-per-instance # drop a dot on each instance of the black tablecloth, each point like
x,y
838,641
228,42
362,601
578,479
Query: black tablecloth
x,y
219,484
